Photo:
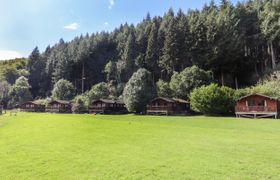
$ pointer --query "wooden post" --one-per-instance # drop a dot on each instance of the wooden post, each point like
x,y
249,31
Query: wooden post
x,y
83,77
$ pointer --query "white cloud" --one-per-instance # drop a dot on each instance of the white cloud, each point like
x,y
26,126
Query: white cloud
x,y
106,24
7,55
72,26
111,4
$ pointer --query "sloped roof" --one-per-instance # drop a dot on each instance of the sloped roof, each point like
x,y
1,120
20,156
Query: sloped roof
x,y
257,94
163,98
108,101
33,102
172,100
60,102
181,100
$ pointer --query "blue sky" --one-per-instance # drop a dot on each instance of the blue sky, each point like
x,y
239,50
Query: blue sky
x,y
25,24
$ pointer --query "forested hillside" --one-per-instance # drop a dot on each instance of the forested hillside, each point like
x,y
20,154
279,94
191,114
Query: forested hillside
x,y
12,69
238,43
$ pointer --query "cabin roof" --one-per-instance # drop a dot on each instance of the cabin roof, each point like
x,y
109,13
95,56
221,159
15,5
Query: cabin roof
x,y
108,101
60,102
171,100
181,100
257,94
33,102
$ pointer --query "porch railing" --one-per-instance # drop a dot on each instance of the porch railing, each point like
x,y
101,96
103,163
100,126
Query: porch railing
x,y
255,109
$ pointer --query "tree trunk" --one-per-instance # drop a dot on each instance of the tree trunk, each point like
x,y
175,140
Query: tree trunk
x,y
256,70
236,83
222,78
273,58
83,77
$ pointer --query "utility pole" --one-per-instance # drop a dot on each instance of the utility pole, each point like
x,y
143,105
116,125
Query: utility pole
x,y
83,78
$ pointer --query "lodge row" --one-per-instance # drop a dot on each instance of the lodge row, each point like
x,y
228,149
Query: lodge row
x,y
160,105
254,105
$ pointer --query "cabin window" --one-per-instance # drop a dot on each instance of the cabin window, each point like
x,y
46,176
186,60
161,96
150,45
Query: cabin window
x,y
27,105
251,103
165,104
261,103
265,103
256,103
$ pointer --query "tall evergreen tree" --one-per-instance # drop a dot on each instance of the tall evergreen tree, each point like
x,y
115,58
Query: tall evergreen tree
x,y
36,66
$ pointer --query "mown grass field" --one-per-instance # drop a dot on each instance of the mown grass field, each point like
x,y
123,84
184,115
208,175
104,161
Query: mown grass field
x,y
55,146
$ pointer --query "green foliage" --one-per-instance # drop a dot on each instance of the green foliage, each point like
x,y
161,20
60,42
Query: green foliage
x,y
79,105
98,91
213,100
20,92
269,86
9,70
163,89
139,91
192,77
111,72
63,90
4,92
235,42
36,67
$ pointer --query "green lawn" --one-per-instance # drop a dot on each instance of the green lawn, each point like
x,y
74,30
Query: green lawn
x,y
55,146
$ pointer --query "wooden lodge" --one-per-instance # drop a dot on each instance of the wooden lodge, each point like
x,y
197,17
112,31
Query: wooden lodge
x,y
59,106
105,106
257,106
32,106
168,106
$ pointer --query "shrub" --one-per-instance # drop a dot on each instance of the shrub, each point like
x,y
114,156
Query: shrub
x,y
139,91
163,89
98,91
192,77
213,100
20,92
63,90
79,105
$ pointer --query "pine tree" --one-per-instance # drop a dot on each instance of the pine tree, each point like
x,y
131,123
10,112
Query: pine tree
x,y
36,66
170,59
129,56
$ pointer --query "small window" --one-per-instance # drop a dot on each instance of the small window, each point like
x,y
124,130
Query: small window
x,y
251,103
261,103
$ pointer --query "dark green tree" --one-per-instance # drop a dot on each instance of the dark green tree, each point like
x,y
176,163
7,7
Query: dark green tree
x,y
139,90
63,90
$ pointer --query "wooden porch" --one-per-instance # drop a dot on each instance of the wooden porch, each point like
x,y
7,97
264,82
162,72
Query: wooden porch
x,y
256,112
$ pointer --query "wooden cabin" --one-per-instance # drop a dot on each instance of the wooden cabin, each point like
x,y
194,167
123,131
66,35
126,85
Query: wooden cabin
x,y
106,106
168,106
257,106
32,106
59,106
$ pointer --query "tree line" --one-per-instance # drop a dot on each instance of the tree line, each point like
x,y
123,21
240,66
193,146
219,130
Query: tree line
x,y
234,44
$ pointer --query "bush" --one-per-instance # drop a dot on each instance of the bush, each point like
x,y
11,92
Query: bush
x,y
20,92
98,91
139,91
79,105
163,89
63,90
192,77
213,100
